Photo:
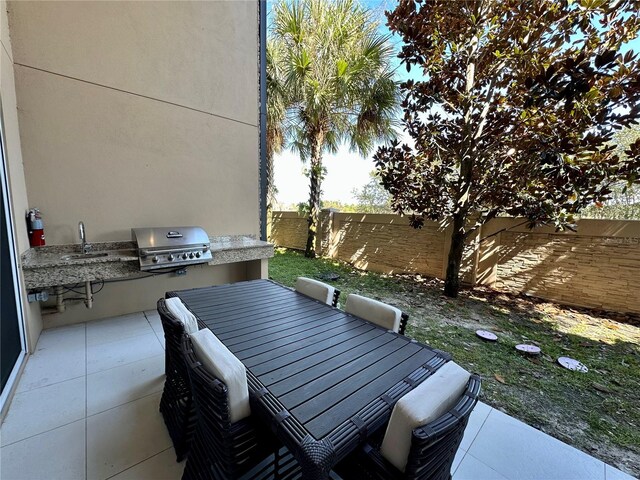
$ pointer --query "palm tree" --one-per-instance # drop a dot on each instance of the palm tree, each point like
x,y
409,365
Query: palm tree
x,y
336,71
277,103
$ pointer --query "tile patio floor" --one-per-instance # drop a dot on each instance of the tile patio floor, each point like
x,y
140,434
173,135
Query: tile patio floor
x,y
87,408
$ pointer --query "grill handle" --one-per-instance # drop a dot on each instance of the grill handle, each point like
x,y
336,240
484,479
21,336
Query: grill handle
x,y
146,253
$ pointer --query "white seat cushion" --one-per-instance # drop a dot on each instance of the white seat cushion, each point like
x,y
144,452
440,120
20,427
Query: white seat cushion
x,y
182,314
315,289
220,362
427,402
377,312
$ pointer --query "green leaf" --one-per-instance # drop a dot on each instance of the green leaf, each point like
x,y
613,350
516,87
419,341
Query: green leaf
x,y
341,66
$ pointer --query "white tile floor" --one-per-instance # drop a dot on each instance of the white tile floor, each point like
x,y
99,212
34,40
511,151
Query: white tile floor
x,y
87,408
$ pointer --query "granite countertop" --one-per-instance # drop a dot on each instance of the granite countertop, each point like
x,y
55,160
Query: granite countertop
x,y
54,255
51,265
236,242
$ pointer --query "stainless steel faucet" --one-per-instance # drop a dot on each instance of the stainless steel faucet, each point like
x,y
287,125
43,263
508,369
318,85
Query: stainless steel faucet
x,y
86,247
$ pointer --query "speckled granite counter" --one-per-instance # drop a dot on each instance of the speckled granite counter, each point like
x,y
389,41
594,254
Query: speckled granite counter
x,y
51,265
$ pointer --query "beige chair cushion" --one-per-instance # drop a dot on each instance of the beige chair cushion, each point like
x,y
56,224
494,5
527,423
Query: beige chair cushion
x,y
427,402
376,312
315,289
182,314
220,362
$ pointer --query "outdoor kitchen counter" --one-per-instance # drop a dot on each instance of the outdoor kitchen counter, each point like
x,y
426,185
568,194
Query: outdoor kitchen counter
x,y
50,266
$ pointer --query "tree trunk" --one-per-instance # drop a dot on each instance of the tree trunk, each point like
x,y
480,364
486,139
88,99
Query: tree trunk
x,y
271,187
315,176
452,280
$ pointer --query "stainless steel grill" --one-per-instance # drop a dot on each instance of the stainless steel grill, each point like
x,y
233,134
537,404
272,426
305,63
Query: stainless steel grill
x,y
162,247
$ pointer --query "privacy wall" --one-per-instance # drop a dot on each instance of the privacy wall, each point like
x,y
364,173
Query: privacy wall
x,y
597,266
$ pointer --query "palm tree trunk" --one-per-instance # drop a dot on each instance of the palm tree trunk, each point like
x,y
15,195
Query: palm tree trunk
x,y
271,188
315,177
452,279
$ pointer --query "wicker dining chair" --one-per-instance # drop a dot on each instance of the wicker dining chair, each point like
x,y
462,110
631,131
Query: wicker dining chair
x,y
225,450
380,313
433,446
176,404
318,290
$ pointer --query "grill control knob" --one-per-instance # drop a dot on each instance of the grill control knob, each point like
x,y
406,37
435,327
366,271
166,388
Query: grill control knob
x,y
191,255
185,256
170,257
197,254
155,259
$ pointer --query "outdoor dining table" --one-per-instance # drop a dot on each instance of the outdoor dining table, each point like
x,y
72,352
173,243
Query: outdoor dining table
x,y
322,379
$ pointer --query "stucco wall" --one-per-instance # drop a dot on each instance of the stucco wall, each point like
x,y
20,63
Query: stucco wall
x,y
15,169
137,114
598,266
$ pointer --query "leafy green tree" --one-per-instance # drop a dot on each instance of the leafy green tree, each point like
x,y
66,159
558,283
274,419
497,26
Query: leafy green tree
x,y
514,113
624,202
336,67
372,197
338,205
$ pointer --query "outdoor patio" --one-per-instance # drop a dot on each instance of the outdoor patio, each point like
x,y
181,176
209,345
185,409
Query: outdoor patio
x,y
87,407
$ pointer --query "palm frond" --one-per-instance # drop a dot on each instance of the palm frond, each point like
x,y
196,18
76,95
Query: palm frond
x,y
333,76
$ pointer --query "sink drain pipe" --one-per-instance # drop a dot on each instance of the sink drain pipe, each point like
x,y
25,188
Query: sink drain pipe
x,y
61,302
59,292
88,294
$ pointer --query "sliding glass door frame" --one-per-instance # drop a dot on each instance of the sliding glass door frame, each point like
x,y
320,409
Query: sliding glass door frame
x,y
8,217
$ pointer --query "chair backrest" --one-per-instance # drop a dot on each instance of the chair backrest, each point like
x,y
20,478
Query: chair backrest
x,y
182,314
404,319
434,446
430,403
231,445
216,359
374,311
317,290
437,395
173,334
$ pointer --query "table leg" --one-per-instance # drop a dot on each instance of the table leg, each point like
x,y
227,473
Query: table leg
x,y
316,459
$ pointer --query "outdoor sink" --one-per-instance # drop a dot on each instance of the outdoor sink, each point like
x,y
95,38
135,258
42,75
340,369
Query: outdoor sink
x,y
126,252
82,256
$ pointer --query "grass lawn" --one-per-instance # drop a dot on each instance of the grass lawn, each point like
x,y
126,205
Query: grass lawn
x,y
597,412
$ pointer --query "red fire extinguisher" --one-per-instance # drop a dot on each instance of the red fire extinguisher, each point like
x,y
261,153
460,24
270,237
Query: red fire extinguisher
x,y
36,228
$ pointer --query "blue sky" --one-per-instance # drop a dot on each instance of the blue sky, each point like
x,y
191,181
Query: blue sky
x,y
346,170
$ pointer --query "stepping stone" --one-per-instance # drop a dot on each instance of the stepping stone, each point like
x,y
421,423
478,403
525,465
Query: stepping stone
x,y
573,364
487,335
528,349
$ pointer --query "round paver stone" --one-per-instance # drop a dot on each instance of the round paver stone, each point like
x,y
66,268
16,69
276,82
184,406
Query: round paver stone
x,y
573,364
528,349
487,335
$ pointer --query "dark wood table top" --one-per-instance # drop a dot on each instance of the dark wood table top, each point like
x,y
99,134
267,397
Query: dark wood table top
x,y
321,377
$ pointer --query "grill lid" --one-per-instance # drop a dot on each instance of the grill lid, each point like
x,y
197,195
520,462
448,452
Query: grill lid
x,y
169,237
162,247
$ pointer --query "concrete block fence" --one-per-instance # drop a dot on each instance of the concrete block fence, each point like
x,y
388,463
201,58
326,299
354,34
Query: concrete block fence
x,y
598,266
